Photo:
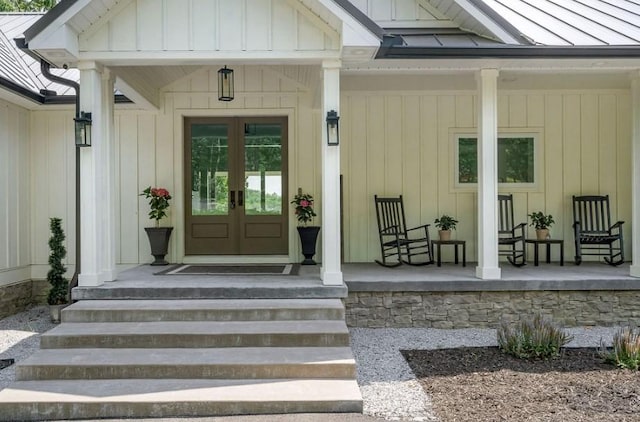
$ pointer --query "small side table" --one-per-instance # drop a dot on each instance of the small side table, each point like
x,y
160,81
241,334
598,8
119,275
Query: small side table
x,y
536,244
455,244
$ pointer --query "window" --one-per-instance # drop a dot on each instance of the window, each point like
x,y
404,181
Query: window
x,y
516,160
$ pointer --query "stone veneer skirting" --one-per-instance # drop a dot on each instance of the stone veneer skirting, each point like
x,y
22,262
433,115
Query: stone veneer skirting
x,y
19,296
437,309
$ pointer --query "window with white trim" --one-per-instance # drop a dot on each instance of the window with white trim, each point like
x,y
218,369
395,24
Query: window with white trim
x,y
516,160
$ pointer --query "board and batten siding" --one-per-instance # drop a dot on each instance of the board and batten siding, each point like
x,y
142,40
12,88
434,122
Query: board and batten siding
x,y
403,143
15,182
149,153
215,25
403,13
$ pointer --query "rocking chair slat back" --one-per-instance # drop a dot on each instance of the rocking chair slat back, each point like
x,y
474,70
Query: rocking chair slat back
x,y
505,214
390,214
593,213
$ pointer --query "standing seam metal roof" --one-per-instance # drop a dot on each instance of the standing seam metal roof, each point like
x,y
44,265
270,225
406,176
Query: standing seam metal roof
x,y
573,22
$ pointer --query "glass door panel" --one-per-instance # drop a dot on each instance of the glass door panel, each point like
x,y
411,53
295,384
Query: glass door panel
x,y
209,169
263,169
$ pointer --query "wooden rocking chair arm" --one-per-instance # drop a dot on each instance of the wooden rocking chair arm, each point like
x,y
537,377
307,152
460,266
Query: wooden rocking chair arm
x,y
618,225
424,226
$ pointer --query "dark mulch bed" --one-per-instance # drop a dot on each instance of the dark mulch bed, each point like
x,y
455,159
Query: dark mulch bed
x,y
484,384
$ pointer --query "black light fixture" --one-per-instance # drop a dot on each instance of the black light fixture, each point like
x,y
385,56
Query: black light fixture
x,y
83,129
225,84
333,129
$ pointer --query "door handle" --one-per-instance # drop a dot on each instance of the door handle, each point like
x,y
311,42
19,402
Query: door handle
x,y
232,199
240,198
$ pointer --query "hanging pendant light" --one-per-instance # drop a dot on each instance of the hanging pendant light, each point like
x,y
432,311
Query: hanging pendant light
x,y
225,84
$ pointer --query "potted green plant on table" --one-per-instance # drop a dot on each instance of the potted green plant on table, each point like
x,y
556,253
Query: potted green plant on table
x,y
58,296
445,224
542,222
303,203
158,236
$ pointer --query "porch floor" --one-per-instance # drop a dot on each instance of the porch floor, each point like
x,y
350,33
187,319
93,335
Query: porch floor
x,y
373,277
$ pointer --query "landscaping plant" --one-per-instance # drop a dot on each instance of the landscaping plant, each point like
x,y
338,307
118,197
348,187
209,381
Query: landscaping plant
x,y
536,338
541,221
625,352
446,222
58,295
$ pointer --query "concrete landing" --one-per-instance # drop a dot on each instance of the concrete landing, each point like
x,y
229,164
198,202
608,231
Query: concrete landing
x,y
93,399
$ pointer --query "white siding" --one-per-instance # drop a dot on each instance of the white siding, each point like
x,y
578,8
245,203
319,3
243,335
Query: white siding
x,y
393,142
15,227
403,144
212,25
403,13
52,182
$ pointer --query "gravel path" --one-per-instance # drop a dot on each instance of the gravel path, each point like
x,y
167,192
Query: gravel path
x,y
388,386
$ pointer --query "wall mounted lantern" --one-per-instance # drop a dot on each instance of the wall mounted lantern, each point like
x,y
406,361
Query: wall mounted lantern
x,y
225,84
83,129
333,129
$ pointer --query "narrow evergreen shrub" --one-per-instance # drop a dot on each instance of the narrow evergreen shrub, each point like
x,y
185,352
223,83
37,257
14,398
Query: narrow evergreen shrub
x,y
59,284
625,352
536,338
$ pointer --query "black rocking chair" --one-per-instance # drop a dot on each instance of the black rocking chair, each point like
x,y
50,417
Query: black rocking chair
x,y
593,232
398,241
511,238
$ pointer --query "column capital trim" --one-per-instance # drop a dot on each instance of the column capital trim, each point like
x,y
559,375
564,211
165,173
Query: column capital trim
x,y
90,65
332,64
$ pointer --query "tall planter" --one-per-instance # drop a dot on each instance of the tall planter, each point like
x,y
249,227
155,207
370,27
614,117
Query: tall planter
x,y
308,238
159,241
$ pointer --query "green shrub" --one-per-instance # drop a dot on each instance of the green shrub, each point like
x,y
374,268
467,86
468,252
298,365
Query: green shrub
x,y
536,338
58,295
625,352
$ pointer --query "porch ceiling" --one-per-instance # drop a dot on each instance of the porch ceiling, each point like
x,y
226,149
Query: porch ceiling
x,y
156,77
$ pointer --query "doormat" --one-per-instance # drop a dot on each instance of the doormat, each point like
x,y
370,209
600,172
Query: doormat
x,y
218,269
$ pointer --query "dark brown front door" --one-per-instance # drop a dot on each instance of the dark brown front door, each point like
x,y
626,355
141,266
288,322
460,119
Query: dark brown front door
x,y
235,180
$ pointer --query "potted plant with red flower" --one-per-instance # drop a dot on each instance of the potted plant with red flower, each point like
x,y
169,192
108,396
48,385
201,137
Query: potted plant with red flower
x,y
303,203
158,236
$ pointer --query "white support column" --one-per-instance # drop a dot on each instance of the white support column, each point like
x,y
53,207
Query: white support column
x,y
91,186
488,269
108,269
635,184
331,271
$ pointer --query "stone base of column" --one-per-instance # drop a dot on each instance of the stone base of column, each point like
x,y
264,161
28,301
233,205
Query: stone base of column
x,y
488,273
109,275
634,270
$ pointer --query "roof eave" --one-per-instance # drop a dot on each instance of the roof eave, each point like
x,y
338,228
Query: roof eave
x,y
507,52
47,19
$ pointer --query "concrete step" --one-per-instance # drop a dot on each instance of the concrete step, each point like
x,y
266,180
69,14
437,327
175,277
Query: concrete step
x,y
204,310
229,363
158,290
190,334
96,399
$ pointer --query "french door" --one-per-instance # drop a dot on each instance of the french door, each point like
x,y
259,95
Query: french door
x,y
235,184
